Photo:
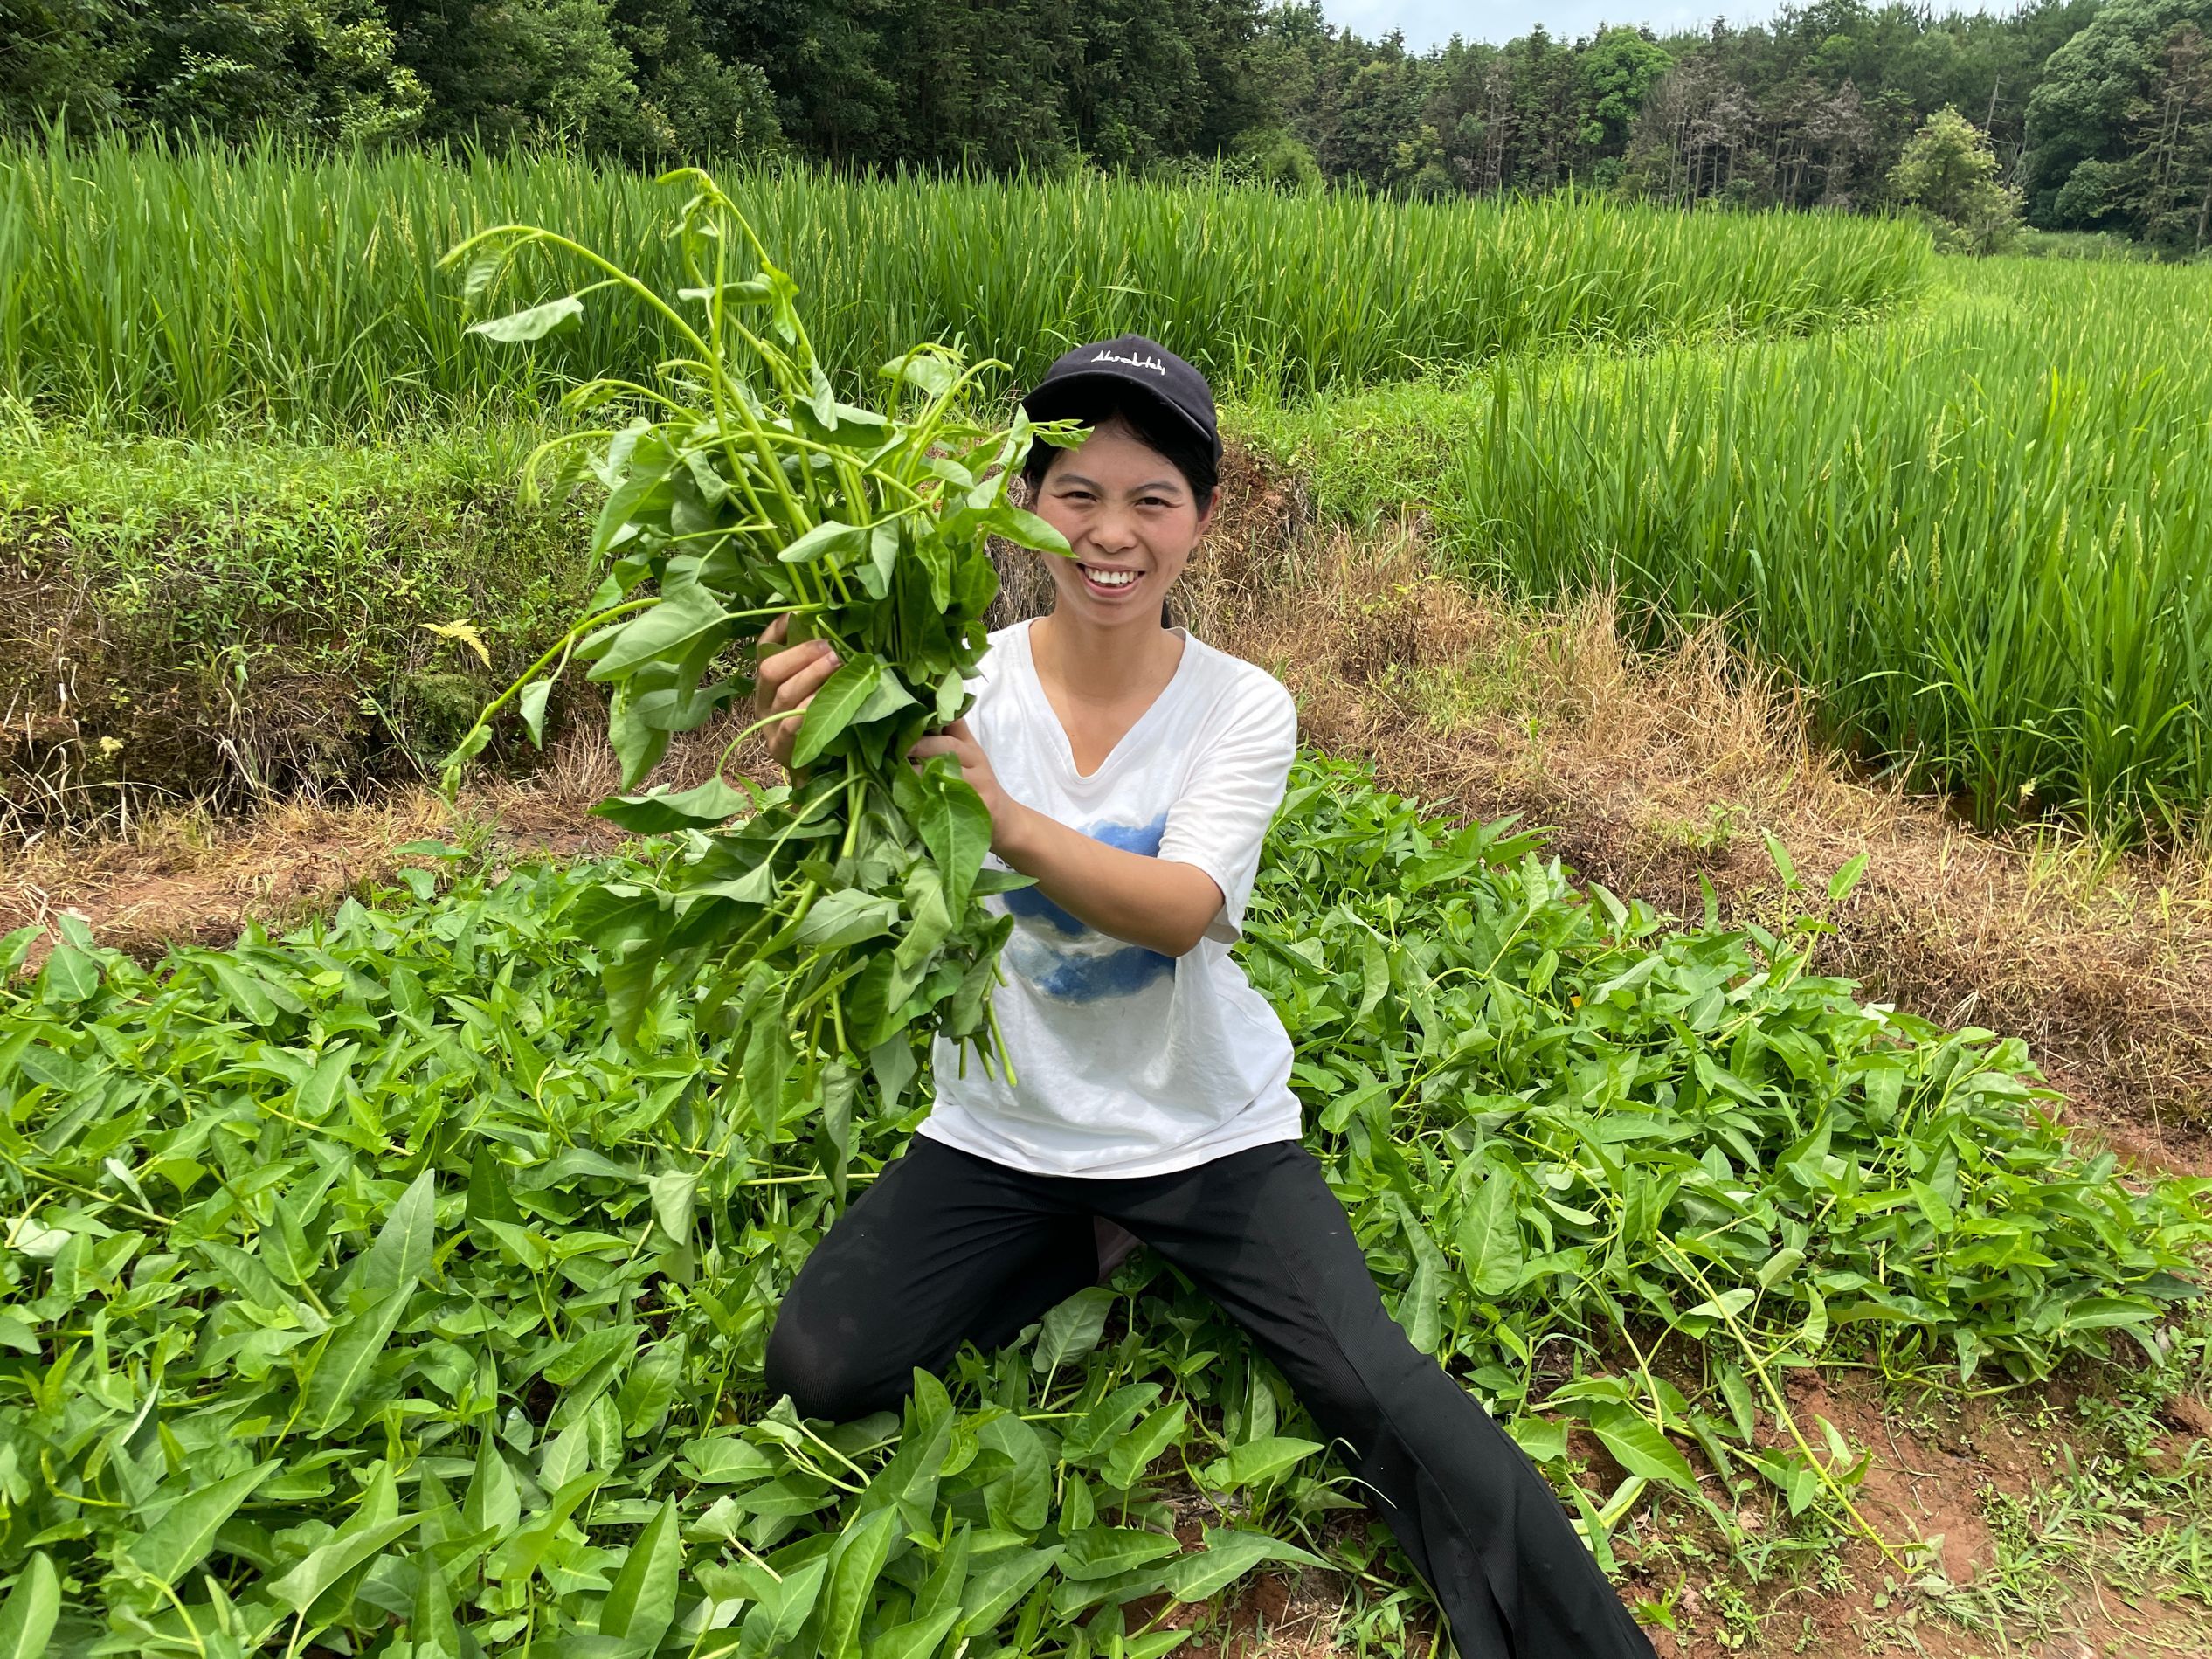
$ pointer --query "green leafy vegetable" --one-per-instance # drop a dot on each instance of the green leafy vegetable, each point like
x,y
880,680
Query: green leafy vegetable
x,y
750,491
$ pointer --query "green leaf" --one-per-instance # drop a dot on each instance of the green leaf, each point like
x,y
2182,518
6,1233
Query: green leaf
x,y
174,1544
843,545
917,1640
1727,1304
1025,529
1783,868
1782,1262
324,1566
1489,1235
68,977
1134,1455
401,1253
925,370
848,917
673,1192
332,1390
830,709
723,1459
1072,1328
1100,1552
783,1607
1421,1309
1229,1554
591,1350
1257,1461
909,1480
642,1603
430,1626
27,1617
684,619
1020,1500
533,323
493,1502
955,828
1845,879
532,704
658,811
888,698
855,1564
1008,1576
1641,1448
1544,1442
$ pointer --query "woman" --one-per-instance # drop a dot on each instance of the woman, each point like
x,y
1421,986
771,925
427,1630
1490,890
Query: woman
x,y
1132,769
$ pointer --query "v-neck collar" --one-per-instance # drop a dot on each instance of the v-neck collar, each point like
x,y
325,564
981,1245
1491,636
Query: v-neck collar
x,y
1066,746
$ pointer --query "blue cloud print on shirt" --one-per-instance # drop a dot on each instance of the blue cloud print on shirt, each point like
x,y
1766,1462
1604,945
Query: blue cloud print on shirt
x,y
1070,960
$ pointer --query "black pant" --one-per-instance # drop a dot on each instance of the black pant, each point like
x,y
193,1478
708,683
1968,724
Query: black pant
x,y
947,1247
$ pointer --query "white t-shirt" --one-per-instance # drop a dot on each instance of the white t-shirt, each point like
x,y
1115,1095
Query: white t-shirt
x,y
1128,1062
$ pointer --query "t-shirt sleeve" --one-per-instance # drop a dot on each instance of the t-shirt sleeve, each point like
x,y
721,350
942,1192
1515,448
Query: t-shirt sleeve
x,y
1221,817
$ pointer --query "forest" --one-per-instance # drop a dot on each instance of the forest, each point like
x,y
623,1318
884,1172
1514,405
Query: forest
x,y
2099,115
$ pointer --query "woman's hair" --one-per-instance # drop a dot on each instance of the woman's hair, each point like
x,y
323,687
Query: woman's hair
x,y
1156,428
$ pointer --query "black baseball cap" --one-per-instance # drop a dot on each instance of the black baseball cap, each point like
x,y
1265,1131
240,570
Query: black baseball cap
x,y
1127,360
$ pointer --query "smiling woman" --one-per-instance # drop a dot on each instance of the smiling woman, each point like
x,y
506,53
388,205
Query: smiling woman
x,y
1163,436
1131,771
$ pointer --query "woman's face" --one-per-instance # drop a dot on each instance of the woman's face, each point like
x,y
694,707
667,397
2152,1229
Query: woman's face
x,y
1130,519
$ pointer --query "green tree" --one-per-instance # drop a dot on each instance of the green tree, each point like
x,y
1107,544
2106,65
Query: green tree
x,y
321,70
830,68
645,82
2170,135
2076,167
64,60
693,104
1949,173
1618,71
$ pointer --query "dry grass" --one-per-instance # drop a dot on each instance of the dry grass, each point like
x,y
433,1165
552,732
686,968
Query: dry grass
x,y
195,876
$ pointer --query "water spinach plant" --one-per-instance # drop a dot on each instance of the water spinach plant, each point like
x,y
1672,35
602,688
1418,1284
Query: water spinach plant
x,y
828,918
362,1291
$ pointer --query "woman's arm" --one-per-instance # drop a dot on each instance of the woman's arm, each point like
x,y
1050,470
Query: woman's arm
x,y
1160,903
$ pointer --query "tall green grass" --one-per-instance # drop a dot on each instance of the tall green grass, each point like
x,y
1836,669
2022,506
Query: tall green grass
x,y
153,288
1983,533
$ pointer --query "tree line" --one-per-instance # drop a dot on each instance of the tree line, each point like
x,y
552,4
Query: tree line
x,y
2097,113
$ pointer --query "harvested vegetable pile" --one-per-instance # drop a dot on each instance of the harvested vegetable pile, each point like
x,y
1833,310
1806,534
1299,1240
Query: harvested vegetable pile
x,y
841,914
362,1290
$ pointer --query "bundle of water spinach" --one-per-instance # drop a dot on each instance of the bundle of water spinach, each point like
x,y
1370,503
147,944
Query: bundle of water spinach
x,y
833,918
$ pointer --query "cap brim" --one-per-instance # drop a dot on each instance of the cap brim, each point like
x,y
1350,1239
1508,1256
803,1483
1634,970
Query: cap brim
x,y
1052,400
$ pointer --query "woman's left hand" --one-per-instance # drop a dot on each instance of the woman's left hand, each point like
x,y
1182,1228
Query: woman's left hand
x,y
958,742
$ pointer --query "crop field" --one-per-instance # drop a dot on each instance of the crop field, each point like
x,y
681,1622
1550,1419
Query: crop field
x,y
362,1275
396,1280
158,290
1981,532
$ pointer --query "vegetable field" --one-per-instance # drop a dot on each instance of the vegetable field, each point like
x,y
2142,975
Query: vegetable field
x,y
360,1285
148,288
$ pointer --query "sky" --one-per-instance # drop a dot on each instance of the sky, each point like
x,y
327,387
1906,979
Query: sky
x,y
1430,23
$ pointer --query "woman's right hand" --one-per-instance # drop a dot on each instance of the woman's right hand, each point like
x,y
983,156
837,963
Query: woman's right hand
x,y
786,682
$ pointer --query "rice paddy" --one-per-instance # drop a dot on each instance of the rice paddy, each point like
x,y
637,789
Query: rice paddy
x,y
1980,531
149,288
